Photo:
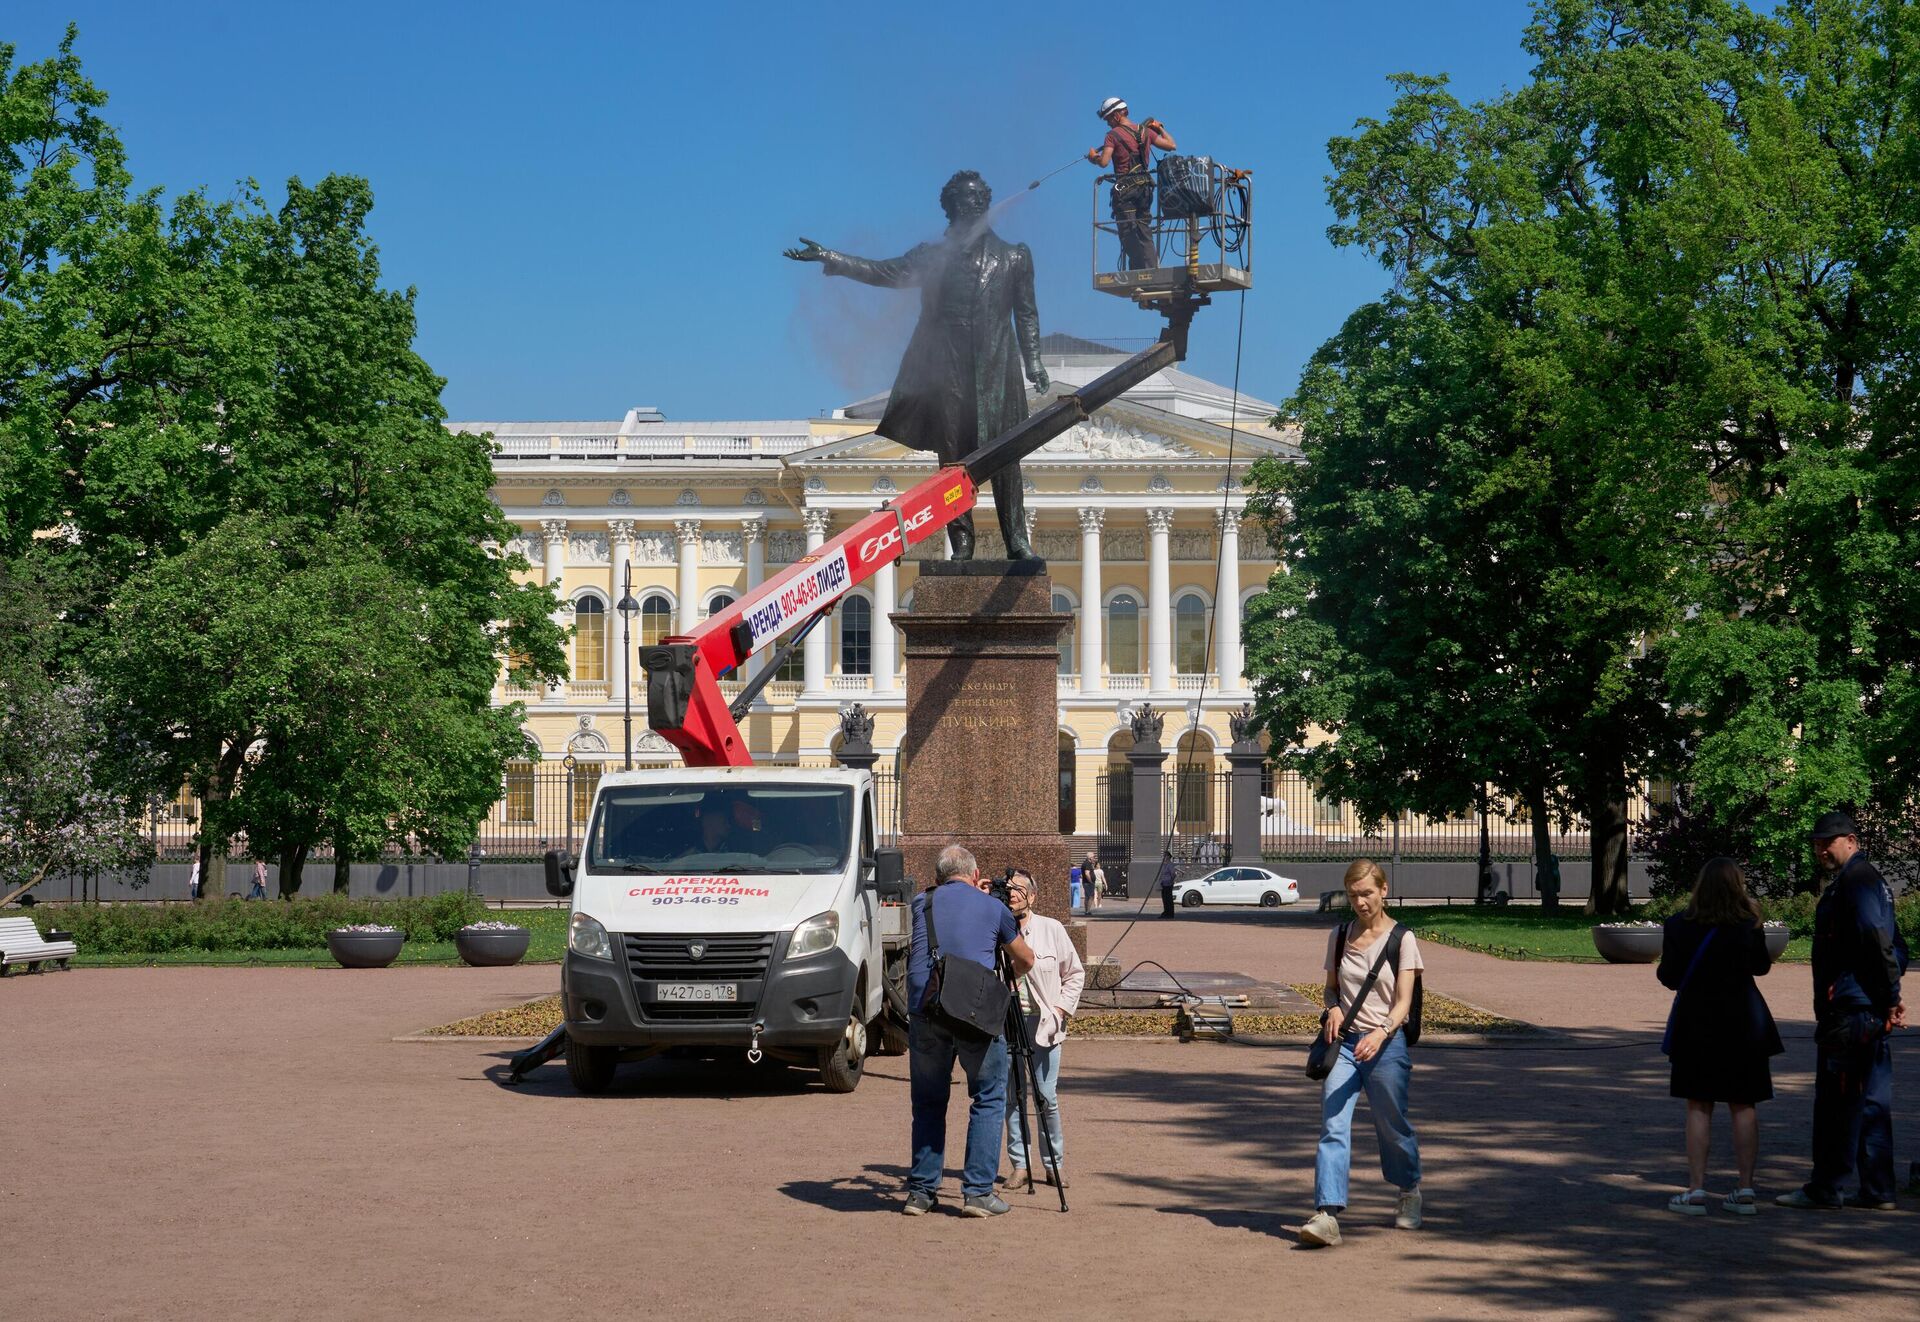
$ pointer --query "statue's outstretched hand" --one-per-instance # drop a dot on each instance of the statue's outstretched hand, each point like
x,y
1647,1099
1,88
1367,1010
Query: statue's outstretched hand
x,y
809,251
1038,375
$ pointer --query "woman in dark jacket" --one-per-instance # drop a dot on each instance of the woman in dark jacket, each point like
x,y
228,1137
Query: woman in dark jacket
x,y
1720,1034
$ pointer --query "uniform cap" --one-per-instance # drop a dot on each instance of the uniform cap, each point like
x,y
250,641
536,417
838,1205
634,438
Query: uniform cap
x,y
1832,825
1112,105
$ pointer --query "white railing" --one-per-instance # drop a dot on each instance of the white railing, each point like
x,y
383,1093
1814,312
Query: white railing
x,y
788,689
850,683
1069,683
653,445
718,444
1192,683
731,687
1126,683
589,688
524,692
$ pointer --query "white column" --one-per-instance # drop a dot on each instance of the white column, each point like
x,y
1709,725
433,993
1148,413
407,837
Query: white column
x,y
620,542
1159,603
1091,615
688,583
1226,610
884,679
753,537
554,569
813,652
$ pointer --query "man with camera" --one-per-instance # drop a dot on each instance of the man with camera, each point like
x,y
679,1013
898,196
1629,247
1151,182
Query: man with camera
x,y
957,1002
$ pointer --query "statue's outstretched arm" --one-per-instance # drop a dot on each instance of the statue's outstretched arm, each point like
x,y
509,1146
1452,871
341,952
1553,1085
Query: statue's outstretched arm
x,y
891,273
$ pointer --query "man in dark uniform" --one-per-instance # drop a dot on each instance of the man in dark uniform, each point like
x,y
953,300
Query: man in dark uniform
x,y
959,383
1166,880
1858,957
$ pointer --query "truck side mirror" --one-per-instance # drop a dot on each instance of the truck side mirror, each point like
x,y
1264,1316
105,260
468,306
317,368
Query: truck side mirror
x,y
559,873
890,875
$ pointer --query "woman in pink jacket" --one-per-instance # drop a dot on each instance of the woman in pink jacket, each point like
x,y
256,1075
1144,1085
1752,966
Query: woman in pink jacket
x,y
1049,995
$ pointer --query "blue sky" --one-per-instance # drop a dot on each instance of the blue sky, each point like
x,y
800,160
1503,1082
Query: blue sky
x,y
592,199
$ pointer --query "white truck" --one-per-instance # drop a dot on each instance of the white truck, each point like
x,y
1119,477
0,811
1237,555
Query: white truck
x,y
730,909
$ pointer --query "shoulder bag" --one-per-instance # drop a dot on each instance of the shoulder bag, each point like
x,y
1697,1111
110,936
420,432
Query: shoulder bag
x,y
1666,1038
1322,1054
969,998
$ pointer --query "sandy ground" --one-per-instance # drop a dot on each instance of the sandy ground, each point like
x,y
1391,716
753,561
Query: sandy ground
x,y
254,1143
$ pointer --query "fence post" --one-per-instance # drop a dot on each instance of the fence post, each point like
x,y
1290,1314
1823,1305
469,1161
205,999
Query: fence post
x,y
1149,842
1247,760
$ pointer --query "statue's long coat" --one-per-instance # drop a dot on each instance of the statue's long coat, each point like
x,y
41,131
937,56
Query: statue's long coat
x,y
959,385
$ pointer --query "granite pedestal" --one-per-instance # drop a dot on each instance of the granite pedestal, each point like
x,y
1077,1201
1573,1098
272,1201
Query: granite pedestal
x,y
979,762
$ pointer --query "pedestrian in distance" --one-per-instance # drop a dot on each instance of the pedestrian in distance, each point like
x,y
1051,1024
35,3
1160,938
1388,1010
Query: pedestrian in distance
x,y
1373,973
1094,880
1858,957
1720,1034
193,876
1074,888
1049,996
956,920
1128,148
1166,887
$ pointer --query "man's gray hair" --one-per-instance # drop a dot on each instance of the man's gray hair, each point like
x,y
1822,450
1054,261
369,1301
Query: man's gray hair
x,y
954,861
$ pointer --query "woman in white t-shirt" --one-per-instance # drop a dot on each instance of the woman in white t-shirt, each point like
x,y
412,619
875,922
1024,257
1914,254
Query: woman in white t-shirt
x,y
1373,1057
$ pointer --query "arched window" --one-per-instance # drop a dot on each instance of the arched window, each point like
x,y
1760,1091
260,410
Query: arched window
x,y
656,619
1123,634
1063,604
1190,634
856,637
720,601
590,639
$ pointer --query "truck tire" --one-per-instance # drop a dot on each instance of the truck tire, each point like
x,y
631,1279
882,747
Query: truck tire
x,y
841,1066
590,1068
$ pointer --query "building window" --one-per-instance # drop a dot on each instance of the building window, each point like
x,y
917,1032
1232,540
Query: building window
x,y
1123,634
656,619
586,778
1190,634
517,802
721,600
590,639
856,637
1064,605
794,668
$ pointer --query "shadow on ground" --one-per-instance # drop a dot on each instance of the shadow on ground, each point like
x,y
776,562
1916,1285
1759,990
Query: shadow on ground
x,y
675,1076
1547,1167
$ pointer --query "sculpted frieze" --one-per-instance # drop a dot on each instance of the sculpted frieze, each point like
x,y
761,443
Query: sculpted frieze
x,y
587,548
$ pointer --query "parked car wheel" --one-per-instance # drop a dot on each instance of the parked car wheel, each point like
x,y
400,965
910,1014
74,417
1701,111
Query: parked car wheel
x,y
1191,900
1271,900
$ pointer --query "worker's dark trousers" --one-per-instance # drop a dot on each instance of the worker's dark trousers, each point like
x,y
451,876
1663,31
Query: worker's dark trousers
x,y
1133,217
1166,901
1853,1122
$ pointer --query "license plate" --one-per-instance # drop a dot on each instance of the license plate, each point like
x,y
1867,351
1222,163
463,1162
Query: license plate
x,y
696,991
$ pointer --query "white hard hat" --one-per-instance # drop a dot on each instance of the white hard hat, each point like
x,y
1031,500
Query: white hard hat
x,y
1111,105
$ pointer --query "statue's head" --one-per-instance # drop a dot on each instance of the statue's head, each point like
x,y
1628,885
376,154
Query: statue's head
x,y
966,196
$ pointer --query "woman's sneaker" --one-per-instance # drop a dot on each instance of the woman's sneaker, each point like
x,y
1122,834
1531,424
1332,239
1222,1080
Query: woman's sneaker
x,y
1321,1231
1406,1216
1741,1202
1691,1203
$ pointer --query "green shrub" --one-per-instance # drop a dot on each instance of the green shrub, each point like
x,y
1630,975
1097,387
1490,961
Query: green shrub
x,y
1796,911
151,929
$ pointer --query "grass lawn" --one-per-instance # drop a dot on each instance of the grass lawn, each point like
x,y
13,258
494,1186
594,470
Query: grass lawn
x,y
548,928
1524,932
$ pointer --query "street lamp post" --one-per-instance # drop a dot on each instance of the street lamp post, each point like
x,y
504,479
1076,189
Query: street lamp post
x,y
628,608
1486,852
569,764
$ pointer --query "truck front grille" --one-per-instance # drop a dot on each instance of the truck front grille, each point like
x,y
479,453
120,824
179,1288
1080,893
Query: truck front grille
x,y
741,958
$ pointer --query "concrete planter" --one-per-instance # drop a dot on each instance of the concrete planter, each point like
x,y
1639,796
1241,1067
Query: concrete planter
x,y
365,950
1628,945
1777,938
491,947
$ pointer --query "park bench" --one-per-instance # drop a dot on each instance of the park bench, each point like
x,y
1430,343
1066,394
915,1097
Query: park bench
x,y
21,946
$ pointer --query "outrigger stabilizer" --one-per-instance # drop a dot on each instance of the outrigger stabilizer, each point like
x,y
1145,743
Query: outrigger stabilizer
x,y
684,702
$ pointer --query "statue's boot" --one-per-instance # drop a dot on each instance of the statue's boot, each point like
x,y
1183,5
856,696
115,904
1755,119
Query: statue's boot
x,y
1010,506
960,537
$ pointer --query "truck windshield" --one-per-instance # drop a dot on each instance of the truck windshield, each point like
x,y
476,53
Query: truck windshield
x,y
657,830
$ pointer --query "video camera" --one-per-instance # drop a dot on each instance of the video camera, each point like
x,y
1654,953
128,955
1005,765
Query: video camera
x,y
1001,887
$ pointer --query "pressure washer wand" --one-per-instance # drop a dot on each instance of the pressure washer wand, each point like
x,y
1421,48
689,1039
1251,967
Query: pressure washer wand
x,y
1043,178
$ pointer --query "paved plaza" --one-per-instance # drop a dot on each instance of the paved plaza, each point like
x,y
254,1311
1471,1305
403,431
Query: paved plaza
x,y
255,1143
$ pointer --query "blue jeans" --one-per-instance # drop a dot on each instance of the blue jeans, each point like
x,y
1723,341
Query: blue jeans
x,y
1046,1107
1853,1122
934,1049
1384,1079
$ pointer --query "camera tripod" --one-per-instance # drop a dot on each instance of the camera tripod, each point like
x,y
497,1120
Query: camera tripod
x,y
1026,1074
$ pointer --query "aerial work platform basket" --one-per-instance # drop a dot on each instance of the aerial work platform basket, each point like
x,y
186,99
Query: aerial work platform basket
x,y
1201,229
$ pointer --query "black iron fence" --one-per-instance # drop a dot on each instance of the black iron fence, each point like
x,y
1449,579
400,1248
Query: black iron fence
x,y
539,809
1296,823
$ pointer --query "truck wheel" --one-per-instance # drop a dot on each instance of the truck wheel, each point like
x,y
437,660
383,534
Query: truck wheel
x,y
840,1067
590,1068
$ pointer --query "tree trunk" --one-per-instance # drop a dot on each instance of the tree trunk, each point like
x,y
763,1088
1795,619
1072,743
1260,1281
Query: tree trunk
x,y
342,866
1606,806
1546,868
292,863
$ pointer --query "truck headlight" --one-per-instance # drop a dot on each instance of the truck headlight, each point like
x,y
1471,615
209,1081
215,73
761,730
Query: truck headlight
x,y
585,936
818,933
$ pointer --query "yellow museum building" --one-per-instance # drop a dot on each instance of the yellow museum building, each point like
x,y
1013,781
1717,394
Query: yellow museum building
x,y
1135,512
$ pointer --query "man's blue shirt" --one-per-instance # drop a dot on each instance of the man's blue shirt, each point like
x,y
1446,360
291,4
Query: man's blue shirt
x,y
972,925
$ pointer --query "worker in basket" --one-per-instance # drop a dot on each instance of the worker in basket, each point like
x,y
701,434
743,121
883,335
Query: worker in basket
x,y
1128,149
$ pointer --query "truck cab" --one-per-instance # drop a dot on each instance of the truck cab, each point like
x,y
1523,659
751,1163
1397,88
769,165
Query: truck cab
x,y
733,909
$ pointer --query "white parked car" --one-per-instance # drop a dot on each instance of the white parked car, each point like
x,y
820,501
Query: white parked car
x,y
1259,886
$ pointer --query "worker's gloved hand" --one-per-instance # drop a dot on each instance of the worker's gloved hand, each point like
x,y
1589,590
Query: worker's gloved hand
x,y
809,251
1038,375
1154,124
1093,154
